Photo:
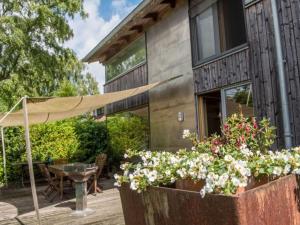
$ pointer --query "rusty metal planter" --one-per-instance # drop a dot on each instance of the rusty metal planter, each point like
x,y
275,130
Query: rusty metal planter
x,y
275,203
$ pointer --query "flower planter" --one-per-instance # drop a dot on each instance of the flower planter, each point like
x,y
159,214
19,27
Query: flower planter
x,y
189,185
275,203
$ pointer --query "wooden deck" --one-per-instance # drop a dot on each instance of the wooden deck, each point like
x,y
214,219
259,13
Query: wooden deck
x,y
16,207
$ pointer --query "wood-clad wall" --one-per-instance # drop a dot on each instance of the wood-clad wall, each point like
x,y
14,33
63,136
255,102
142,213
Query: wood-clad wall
x,y
225,71
259,63
290,30
134,78
263,61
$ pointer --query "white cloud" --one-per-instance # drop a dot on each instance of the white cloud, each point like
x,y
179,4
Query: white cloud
x,y
88,32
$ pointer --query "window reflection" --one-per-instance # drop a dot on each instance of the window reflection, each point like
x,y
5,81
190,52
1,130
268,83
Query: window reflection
x,y
239,99
126,59
206,33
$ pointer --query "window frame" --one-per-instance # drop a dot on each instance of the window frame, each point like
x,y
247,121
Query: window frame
x,y
194,12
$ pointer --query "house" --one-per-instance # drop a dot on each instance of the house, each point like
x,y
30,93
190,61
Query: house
x,y
227,53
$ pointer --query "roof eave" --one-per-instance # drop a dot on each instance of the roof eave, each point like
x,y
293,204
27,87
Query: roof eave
x,y
103,42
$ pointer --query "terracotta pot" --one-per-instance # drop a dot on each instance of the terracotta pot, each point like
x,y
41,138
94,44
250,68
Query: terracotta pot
x,y
190,185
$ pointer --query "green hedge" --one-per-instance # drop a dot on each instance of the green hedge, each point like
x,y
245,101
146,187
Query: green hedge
x,y
78,140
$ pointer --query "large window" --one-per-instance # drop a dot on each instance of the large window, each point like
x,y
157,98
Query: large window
x,y
215,106
125,60
217,26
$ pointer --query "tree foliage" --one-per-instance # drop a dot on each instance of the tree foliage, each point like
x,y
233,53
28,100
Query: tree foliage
x,y
32,34
33,58
85,86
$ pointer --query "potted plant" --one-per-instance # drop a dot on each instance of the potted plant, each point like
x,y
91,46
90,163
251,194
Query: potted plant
x,y
238,175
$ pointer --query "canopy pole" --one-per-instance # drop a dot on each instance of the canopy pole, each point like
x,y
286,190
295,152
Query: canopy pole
x,y
4,156
29,160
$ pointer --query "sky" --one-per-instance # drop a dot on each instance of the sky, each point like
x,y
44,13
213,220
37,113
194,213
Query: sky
x,y
104,15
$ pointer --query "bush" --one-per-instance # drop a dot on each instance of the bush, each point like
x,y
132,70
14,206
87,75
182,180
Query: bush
x,y
92,137
126,131
78,140
57,140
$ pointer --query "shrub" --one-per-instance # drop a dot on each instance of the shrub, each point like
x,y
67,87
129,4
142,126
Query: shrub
x,y
92,137
126,131
79,139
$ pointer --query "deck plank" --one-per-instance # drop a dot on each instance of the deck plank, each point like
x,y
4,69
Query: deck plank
x,y
16,207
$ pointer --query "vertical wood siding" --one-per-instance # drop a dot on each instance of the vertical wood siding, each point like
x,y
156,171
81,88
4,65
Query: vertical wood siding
x,y
222,72
134,78
263,61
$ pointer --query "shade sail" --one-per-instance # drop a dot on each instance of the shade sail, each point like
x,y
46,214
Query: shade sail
x,y
43,110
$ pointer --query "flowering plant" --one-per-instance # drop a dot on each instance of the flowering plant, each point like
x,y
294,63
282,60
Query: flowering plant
x,y
224,162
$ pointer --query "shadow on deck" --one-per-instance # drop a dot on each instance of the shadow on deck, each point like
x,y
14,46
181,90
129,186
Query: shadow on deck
x,y
16,207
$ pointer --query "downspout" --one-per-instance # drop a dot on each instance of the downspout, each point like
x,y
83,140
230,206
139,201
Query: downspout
x,y
281,78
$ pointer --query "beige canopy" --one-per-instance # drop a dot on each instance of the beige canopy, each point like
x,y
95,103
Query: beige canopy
x,y
42,110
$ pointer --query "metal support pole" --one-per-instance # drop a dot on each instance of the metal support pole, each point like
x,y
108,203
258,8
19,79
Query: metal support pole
x,y
281,79
29,159
4,156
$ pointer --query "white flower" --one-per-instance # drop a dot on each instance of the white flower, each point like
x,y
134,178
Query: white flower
x,y
223,179
133,185
152,175
277,171
118,180
193,148
258,153
245,150
181,172
202,192
228,158
287,169
296,171
235,181
125,156
173,179
186,134
173,160
168,172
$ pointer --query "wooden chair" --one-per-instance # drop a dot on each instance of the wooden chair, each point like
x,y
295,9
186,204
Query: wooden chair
x,y
93,182
60,161
53,183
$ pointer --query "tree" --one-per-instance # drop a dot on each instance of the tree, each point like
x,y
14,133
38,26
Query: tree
x,y
33,60
86,85
32,34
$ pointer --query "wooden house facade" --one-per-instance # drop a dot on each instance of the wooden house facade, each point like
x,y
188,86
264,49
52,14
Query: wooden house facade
x,y
225,51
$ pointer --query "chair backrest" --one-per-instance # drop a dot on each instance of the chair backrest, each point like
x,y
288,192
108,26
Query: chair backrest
x,y
100,162
60,161
45,172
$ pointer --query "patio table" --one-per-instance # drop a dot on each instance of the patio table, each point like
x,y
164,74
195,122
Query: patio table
x,y
79,173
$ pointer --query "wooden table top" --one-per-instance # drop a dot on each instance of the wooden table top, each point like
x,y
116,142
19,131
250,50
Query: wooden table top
x,y
64,169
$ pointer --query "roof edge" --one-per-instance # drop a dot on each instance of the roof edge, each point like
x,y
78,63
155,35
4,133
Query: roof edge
x,y
136,10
